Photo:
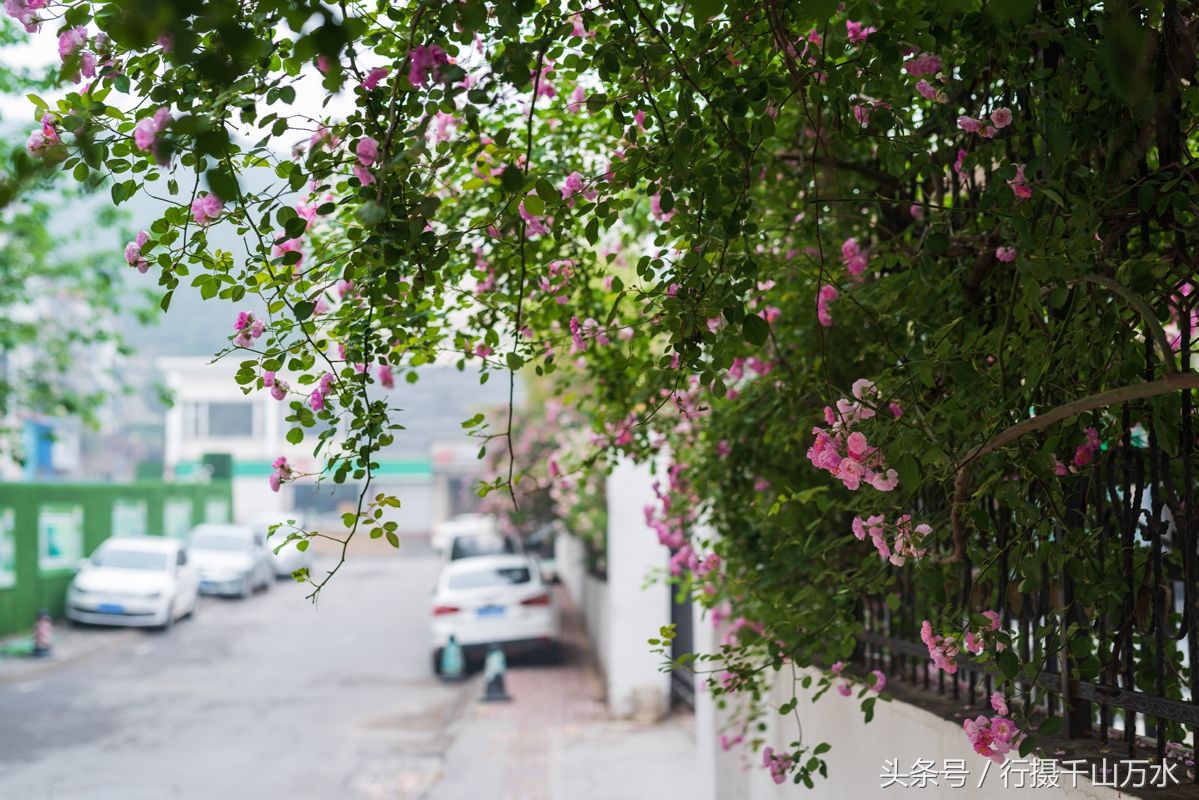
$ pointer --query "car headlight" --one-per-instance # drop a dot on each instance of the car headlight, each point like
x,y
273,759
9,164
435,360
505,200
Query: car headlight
x,y
153,595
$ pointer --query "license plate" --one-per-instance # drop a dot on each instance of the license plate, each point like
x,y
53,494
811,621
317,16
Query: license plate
x,y
110,608
491,611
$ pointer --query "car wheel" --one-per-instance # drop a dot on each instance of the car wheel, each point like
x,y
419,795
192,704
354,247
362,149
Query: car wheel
x,y
437,662
268,580
169,622
247,587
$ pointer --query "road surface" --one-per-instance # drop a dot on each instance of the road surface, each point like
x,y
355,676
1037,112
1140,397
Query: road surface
x,y
263,698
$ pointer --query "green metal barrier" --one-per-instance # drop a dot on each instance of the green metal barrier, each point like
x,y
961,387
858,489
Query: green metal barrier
x,y
47,528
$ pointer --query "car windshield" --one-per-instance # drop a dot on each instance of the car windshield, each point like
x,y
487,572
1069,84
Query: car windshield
x,y
471,546
220,541
488,578
129,559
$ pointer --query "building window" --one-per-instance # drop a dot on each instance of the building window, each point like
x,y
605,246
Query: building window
x,y
232,420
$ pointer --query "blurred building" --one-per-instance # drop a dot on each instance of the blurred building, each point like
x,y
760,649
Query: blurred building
x,y
431,468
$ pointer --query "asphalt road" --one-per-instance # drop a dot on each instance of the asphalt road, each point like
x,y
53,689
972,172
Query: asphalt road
x,y
258,699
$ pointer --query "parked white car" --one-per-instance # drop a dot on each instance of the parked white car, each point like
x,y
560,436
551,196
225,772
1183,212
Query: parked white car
x,y
463,524
289,558
493,600
144,580
473,545
230,559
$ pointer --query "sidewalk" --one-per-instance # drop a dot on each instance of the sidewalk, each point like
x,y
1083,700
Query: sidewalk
x,y
556,741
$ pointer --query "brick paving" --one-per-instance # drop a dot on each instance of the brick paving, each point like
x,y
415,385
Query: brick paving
x,y
555,740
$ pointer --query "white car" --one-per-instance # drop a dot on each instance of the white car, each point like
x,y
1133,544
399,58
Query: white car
x,y
473,545
475,524
230,559
493,600
289,558
144,580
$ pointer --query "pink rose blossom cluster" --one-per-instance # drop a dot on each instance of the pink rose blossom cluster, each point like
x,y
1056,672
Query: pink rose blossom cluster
x,y
1019,184
277,385
367,152
779,764
148,129
386,376
922,64
727,742
975,643
853,258
857,32
993,737
282,473
847,455
373,77
574,184
248,329
824,300
1084,454
535,224
845,688
133,252
317,400
425,61
1005,253
930,92
555,283
72,41
906,542
941,649
1000,118
43,138
25,12
206,208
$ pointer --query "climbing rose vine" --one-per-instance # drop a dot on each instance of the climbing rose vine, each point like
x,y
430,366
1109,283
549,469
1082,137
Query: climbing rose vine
x,y
874,236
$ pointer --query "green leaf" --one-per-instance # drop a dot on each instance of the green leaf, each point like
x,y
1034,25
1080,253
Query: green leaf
x,y
534,205
302,545
513,180
546,190
755,330
393,540
1008,662
1050,726
295,435
703,10
304,309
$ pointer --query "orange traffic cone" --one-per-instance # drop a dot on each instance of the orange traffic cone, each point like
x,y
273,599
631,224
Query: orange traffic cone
x,y
43,634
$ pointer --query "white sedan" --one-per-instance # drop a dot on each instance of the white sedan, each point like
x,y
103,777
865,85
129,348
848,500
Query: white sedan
x,y
143,580
498,599
230,559
463,524
289,557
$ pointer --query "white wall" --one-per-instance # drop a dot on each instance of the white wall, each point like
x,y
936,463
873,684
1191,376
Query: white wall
x,y
637,608
590,596
898,731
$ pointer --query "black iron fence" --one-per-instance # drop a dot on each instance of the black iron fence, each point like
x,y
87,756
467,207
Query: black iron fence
x,y
1115,624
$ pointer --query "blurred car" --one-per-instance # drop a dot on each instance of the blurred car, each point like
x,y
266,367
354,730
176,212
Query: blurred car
x,y
543,544
444,532
290,557
230,559
143,580
493,600
473,545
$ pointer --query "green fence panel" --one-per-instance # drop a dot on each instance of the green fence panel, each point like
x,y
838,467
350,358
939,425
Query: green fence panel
x,y
46,528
